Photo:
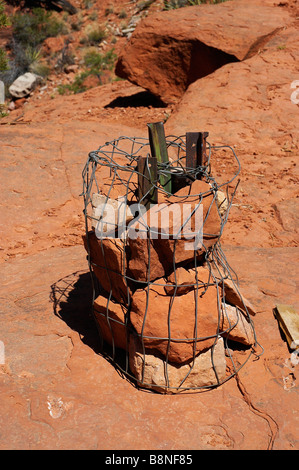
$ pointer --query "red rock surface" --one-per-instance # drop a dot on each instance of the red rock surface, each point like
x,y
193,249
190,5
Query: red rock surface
x,y
57,391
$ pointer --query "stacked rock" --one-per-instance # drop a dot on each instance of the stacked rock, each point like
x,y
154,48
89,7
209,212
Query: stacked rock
x,y
165,302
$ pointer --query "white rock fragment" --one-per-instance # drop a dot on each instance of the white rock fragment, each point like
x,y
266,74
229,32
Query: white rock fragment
x,y
24,85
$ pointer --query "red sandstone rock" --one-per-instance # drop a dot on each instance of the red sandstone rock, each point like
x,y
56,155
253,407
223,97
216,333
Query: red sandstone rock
x,y
182,280
236,325
109,264
174,237
233,296
170,50
159,317
111,317
253,115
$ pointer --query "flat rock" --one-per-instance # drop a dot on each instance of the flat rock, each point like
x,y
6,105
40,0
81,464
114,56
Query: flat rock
x,y
182,280
169,50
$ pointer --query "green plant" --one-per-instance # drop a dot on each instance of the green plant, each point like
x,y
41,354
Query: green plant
x,y
3,111
122,14
173,4
93,16
95,63
109,10
4,22
88,4
93,36
39,68
31,29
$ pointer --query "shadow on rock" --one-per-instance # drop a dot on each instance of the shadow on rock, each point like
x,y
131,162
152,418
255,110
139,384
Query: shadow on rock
x,y
72,303
72,298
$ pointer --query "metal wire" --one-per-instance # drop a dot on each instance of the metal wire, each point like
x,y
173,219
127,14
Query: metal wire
x,y
115,163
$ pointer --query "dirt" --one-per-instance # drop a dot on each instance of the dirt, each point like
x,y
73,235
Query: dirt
x,y
57,390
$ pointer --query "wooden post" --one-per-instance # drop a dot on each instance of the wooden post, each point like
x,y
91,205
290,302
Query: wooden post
x,y
159,150
196,150
147,178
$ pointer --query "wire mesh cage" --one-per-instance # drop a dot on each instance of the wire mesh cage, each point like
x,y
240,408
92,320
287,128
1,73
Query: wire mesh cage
x,y
167,304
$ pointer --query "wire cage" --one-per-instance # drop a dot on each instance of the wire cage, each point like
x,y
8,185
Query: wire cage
x,y
166,303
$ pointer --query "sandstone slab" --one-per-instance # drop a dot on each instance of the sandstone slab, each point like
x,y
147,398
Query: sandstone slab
x,y
182,280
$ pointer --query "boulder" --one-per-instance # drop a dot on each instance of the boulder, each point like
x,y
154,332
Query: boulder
x,y
24,85
171,49
251,115
107,256
177,326
151,371
111,318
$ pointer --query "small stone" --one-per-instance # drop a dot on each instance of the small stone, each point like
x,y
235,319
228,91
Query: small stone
x,y
11,106
71,68
222,202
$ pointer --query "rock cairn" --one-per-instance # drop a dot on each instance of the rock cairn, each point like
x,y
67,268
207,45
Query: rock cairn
x,y
167,301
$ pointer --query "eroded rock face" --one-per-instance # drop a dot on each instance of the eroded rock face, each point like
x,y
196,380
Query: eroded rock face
x,y
170,50
153,372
